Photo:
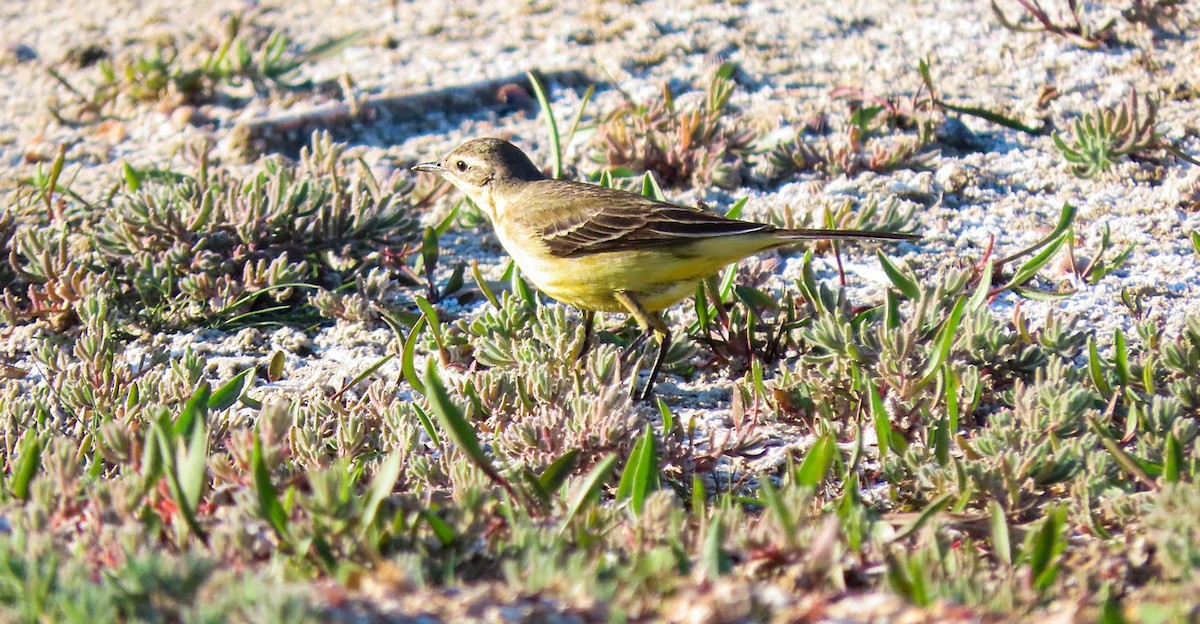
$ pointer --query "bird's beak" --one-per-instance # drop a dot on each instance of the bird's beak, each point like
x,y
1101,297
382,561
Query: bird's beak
x,y
431,167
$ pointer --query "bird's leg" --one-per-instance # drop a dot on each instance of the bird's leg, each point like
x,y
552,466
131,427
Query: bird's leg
x,y
635,345
651,323
589,320
664,343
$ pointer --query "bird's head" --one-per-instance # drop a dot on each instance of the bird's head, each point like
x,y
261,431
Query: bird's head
x,y
485,169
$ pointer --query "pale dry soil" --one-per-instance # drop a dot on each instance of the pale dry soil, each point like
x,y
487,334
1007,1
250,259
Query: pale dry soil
x,y
790,60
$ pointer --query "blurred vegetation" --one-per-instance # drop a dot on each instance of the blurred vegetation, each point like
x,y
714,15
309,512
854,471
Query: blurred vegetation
x,y
918,444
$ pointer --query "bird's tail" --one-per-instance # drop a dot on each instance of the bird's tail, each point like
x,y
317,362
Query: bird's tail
x,y
822,234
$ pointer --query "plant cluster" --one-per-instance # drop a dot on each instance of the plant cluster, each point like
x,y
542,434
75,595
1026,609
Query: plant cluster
x,y
177,250
877,134
198,68
709,143
1160,16
682,144
1000,469
949,456
1035,18
863,143
1103,137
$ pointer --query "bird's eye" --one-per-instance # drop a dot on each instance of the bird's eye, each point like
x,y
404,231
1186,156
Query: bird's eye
x,y
461,166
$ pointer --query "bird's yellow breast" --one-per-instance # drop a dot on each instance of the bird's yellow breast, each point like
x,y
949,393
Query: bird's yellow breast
x,y
657,277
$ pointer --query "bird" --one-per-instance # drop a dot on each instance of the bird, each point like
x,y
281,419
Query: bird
x,y
602,249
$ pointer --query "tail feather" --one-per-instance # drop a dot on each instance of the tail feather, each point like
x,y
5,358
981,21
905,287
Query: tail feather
x,y
822,234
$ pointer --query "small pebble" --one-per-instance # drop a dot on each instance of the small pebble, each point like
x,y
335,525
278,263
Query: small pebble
x,y
16,54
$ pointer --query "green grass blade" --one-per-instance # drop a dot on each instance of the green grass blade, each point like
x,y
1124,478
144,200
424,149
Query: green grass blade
x,y
325,555
883,425
1173,459
543,100
483,286
775,506
444,532
193,410
980,296
1048,544
427,423
430,253
646,479
714,560
583,102
640,475
447,221
815,467
1041,295
629,473
367,372
1110,609
1035,264
703,318
932,509
1124,459
905,284
557,472
994,117
898,578
151,462
1065,218
520,287
941,441
451,418
944,342
431,316
589,489
534,487
1095,371
27,467
651,189
230,391
173,459
381,487
1001,544
668,417
727,281
891,309
952,402
1121,357
409,354
735,211
269,507
192,467
699,496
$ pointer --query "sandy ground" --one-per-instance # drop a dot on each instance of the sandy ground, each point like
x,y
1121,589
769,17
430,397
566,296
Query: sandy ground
x,y
790,58
790,61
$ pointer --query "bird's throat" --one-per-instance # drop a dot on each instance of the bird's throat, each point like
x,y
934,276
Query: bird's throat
x,y
485,200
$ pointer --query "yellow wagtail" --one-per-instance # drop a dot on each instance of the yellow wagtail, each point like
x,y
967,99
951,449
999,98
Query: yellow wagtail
x,y
608,250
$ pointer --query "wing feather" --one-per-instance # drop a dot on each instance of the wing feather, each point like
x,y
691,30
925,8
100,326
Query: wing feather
x,y
580,219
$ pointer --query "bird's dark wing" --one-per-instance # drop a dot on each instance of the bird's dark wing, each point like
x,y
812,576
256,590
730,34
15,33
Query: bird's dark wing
x,y
580,219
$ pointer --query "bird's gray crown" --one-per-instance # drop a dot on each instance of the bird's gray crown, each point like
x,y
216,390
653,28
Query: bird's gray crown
x,y
504,158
